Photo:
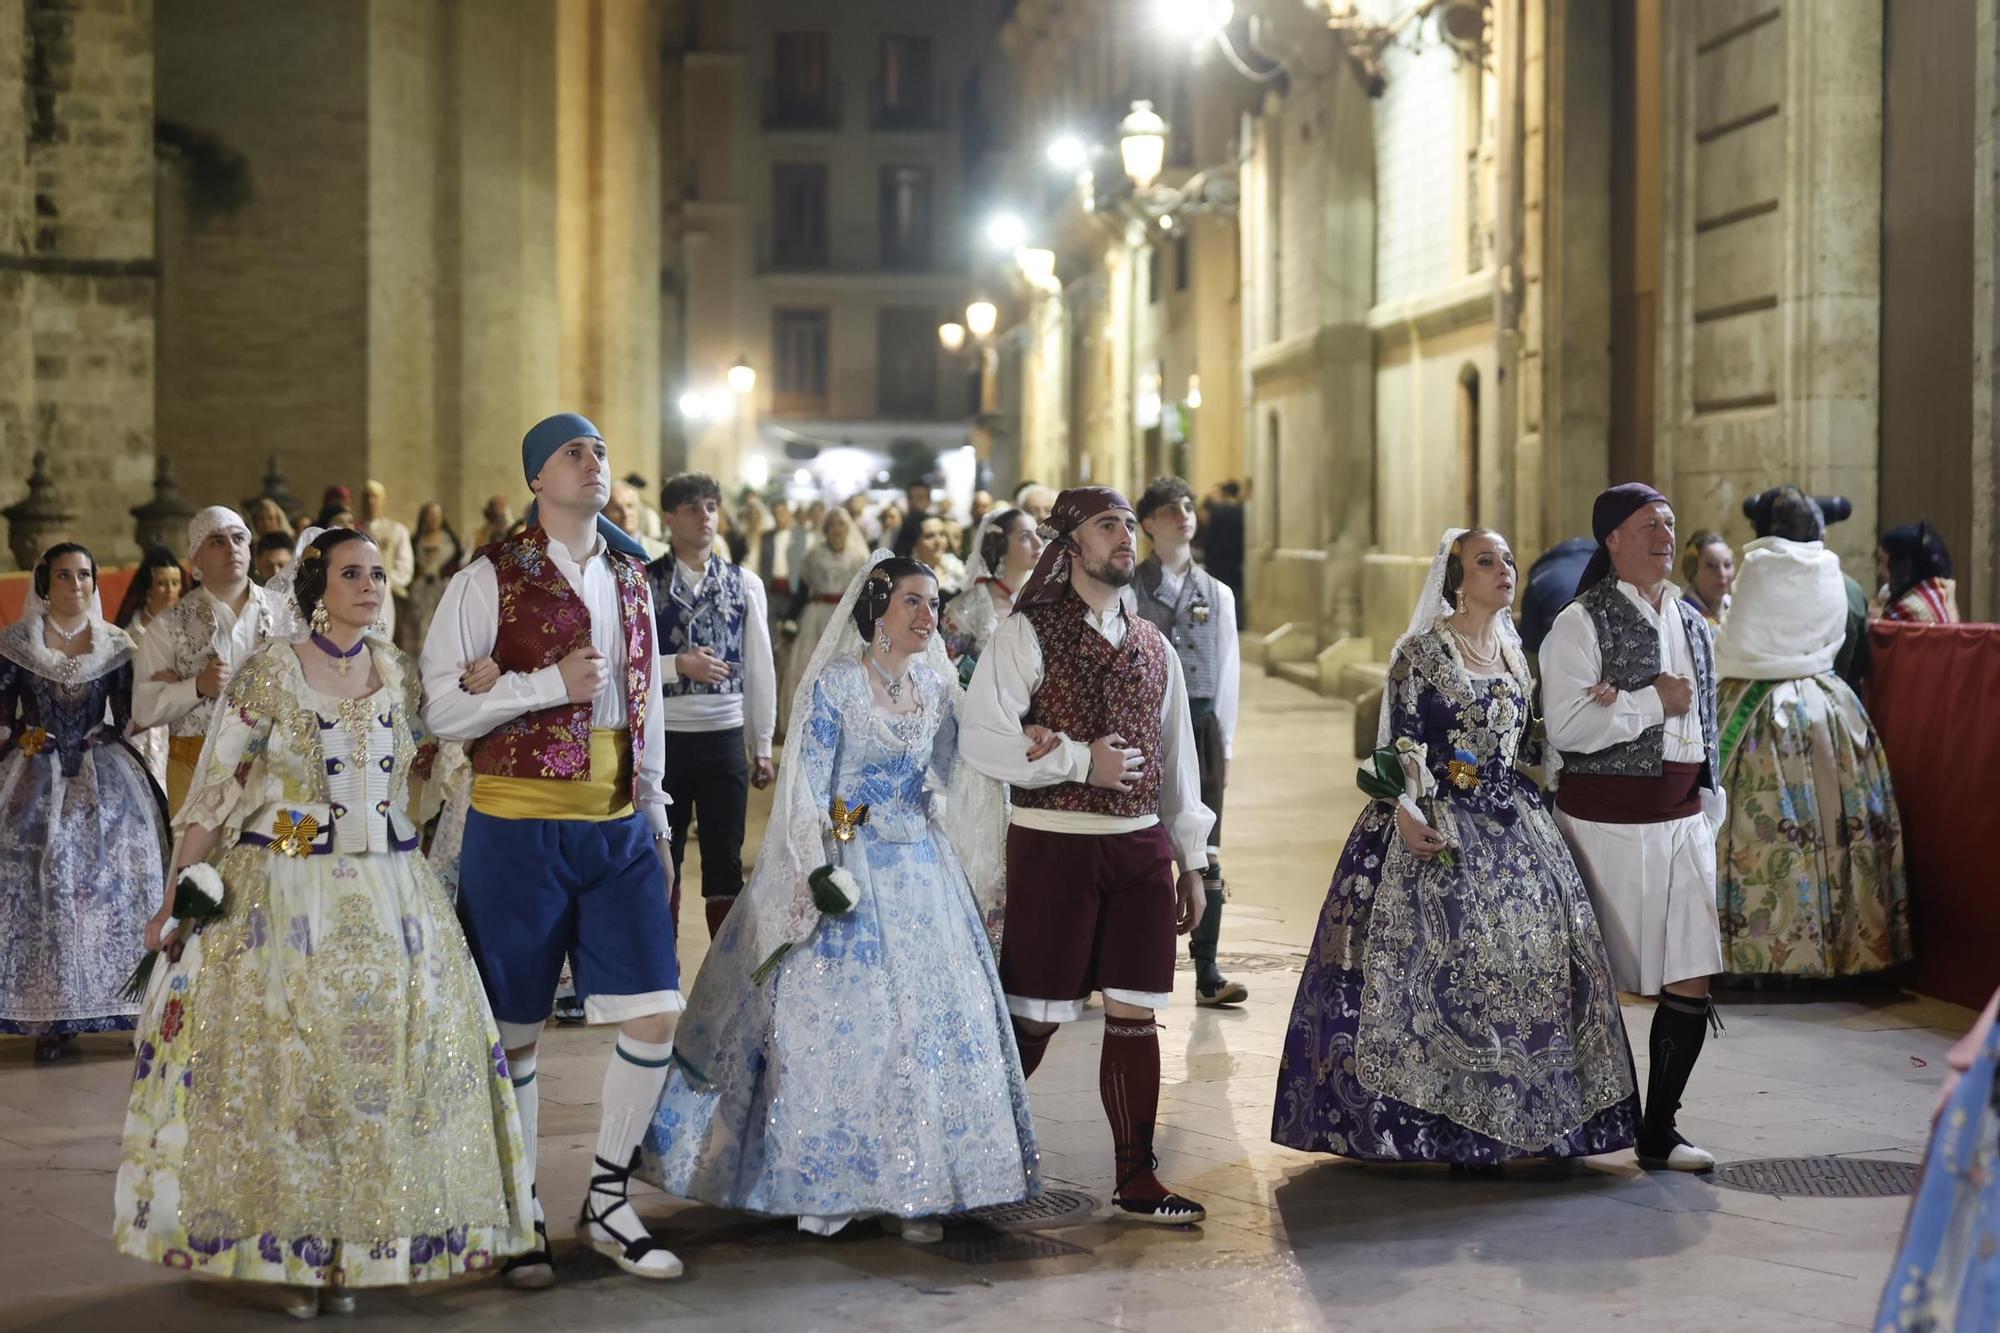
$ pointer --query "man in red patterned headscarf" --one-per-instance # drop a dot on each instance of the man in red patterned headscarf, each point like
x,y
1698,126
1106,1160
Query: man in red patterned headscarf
x,y
1101,817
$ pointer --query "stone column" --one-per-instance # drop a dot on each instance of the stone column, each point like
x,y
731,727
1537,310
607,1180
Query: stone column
x,y
1771,270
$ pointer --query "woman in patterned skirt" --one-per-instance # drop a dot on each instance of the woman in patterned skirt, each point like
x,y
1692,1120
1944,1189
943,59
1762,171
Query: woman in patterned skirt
x,y
1457,1005
83,833
320,1098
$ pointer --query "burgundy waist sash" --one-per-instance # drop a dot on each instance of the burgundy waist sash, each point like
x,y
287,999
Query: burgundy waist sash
x,y
1603,798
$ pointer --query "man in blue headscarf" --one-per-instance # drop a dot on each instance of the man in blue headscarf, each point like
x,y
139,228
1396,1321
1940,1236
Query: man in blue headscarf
x,y
565,847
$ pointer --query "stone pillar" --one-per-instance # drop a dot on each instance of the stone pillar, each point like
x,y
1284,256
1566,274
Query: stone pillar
x,y
1771,266
1574,307
386,298
77,270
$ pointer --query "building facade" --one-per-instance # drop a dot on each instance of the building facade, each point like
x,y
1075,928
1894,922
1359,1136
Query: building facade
x,y
820,221
1595,242
1121,363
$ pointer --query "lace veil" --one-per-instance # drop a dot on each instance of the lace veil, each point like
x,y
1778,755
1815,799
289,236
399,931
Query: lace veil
x,y
287,625
1425,615
971,810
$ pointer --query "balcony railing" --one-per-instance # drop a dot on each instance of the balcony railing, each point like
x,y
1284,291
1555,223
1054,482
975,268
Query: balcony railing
x,y
786,109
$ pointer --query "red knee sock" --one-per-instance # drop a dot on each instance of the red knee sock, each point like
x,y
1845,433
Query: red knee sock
x,y
1032,1045
1128,1077
718,911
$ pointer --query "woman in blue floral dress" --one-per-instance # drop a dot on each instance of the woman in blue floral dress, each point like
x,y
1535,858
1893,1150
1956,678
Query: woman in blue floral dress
x,y
83,830
873,1070
1457,1006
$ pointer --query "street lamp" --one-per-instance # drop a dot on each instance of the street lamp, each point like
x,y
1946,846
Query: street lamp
x,y
981,317
1006,231
1037,266
1197,20
1142,144
742,377
1069,152
951,337
1193,398
693,405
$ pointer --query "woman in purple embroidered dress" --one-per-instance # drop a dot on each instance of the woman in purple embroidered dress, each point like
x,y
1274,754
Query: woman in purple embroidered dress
x,y
1457,1006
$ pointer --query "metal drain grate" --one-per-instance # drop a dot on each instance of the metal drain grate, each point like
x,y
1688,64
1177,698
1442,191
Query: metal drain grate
x,y
1050,1208
983,1245
1819,1177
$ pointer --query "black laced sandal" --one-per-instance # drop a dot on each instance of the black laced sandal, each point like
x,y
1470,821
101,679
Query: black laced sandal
x,y
640,1255
1169,1210
531,1270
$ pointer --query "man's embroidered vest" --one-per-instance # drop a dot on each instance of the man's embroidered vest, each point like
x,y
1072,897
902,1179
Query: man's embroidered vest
x,y
711,618
1629,650
542,621
1189,622
1090,689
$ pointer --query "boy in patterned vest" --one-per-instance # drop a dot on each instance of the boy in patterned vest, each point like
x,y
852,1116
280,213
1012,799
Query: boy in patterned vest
x,y
565,846
719,683
1629,691
1102,812
1197,613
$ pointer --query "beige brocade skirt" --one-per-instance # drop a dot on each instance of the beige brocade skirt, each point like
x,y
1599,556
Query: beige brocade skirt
x,y
320,1097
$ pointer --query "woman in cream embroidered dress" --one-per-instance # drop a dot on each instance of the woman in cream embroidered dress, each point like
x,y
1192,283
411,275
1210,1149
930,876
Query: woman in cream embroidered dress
x,y
320,1098
874,1071
1458,1013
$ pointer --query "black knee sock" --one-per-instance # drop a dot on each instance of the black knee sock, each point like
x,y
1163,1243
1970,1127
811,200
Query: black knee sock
x,y
1202,940
1680,1027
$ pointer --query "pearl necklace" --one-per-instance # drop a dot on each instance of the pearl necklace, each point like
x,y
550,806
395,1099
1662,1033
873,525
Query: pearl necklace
x,y
1473,654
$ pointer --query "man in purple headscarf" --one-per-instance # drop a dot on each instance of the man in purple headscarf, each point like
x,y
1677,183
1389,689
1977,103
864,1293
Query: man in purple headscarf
x,y
1101,816
1629,690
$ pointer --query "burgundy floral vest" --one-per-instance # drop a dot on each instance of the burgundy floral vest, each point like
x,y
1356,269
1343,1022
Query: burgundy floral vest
x,y
542,620
1090,689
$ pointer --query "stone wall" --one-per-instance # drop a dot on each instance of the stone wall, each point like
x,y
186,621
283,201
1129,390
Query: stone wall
x,y
1771,284
403,291
76,256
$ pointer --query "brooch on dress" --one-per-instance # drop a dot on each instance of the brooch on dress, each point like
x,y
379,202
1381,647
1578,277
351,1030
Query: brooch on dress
x,y
293,833
847,822
33,741
1463,770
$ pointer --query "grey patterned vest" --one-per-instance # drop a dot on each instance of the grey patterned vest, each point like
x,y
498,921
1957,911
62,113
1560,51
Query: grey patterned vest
x,y
1629,650
1191,622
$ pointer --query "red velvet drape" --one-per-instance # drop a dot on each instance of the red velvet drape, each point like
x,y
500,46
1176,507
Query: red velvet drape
x,y
1934,693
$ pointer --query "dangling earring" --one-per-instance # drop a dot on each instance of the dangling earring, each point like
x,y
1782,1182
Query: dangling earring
x,y
882,644
380,627
1458,599
320,623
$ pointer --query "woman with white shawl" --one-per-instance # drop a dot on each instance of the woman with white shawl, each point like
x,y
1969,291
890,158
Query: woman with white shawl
x,y
846,1050
1810,878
